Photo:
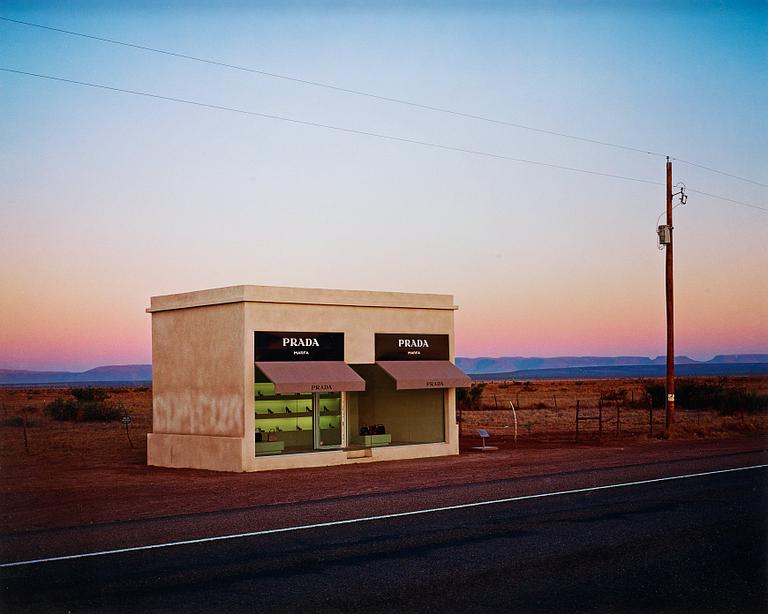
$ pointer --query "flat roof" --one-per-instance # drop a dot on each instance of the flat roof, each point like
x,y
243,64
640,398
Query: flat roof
x,y
299,296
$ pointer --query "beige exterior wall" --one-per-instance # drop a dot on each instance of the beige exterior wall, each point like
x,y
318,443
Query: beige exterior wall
x,y
357,323
203,371
196,452
197,388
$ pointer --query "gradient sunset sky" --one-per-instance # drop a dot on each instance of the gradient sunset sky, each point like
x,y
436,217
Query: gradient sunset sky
x,y
108,198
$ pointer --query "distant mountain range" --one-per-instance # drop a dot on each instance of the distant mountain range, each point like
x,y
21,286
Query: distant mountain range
x,y
696,369
113,373
506,367
507,364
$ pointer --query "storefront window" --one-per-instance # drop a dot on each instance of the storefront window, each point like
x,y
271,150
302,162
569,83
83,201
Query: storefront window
x,y
300,422
383,415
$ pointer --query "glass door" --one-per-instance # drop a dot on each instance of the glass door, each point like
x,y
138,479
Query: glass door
x,y
327,423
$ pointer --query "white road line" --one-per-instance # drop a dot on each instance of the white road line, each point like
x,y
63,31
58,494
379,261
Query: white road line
x,y
333,523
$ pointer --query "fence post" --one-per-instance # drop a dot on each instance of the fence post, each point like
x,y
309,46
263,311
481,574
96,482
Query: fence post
x,y
618,418
577,419
650,413
26,436
600,419
514,415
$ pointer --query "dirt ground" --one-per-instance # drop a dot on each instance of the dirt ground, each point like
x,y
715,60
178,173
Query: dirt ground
x,y
76,473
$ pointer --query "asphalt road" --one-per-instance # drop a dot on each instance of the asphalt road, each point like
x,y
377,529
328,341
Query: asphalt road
x,y
698,544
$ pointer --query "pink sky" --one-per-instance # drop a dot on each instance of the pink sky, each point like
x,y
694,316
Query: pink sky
x,y
69,335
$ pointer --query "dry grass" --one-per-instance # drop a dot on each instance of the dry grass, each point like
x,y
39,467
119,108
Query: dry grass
x,y
104,441
547,409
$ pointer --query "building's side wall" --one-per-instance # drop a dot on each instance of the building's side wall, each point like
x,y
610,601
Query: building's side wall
x,y
197,388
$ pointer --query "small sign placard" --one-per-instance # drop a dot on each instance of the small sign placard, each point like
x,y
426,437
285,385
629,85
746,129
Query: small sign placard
x,y
292,346
409,346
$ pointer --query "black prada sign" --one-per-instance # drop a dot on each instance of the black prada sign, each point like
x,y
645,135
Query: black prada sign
x,y
411,347
290,346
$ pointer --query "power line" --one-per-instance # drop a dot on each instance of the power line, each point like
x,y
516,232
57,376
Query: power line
x,y
730,200
301,122
336,88
714,170
355,92
387,137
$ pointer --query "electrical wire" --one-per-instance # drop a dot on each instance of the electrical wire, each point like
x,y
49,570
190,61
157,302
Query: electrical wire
x,y
301,122
663,213
336,88
388,137
714,170
390,99
730,200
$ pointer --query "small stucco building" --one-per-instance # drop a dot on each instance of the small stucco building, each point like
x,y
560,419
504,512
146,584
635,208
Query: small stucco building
x,y
249,378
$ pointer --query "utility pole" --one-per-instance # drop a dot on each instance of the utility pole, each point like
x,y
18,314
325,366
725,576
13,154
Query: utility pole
x,y
665,241
670,415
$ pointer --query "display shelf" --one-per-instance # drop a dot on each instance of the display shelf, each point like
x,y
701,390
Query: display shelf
x,y
373,440
282,397
266,392
266,426
263,407
283,416
270,447
305,414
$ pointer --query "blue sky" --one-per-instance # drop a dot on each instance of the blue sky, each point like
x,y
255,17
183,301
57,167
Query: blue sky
x,y
108,199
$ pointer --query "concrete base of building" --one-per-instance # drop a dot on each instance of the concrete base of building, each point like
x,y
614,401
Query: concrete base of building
x,y
227,454
195,452
327,458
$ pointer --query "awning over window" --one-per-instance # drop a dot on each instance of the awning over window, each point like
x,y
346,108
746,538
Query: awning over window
x,y
311,376
415,374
